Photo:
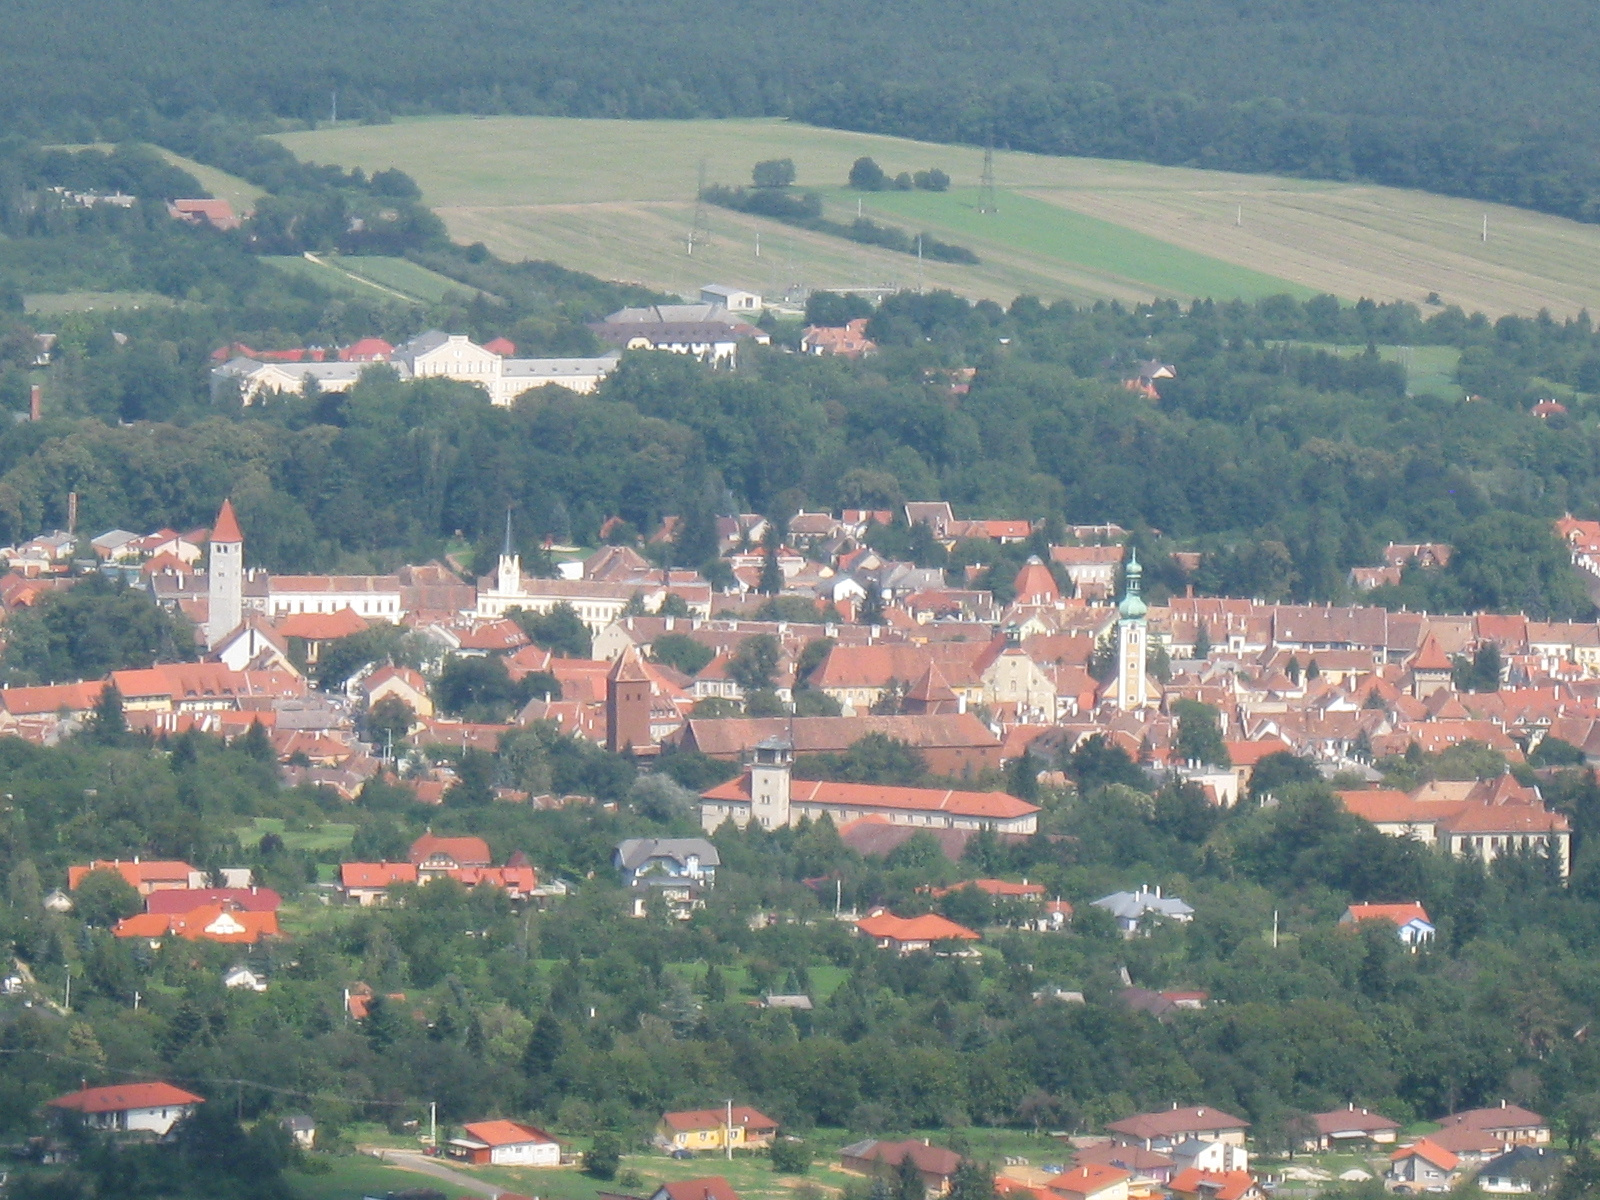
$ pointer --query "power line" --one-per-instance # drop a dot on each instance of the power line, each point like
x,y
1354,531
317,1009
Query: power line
x,y
986,199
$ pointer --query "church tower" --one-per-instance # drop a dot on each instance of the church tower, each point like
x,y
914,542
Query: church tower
x,y
628,705
1133,688
225,577
508,579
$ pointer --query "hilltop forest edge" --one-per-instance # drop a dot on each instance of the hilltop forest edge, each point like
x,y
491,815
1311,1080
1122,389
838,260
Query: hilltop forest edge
x,y
1404,95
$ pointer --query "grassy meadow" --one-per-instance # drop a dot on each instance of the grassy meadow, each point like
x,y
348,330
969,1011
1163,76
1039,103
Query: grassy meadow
x,y
616,198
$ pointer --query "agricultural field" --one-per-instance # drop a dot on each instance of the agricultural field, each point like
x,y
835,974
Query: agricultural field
x,y
616,198
395,278
1430,370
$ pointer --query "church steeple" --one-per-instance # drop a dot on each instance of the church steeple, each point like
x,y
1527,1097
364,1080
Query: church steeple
x,y
1133,687
508,579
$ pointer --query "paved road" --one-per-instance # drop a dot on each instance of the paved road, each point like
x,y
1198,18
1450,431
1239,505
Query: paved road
x,y
412,1160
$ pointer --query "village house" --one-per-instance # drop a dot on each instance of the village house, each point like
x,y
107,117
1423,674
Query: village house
x,y
504,1144
1090,1181
715,1129
712,1187
144,875
849,340
206,923
936,1165
908,935
1351,1126
1166,1130
1479,1133
675,872
1195,1184
1519,1171
131,1107
952,744
1132,909
1410,920
369,883
1423,1165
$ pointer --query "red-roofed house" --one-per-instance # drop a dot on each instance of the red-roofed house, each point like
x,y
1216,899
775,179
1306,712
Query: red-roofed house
x,y
131,1107
935,1164
709,1128
1423,1164
368,349
434,855
505,1143
1195,1184
1410,919
369,883
849,340
145,875
1344,1126
404,684
906,935
1171,1127
249,899
218,214
1091,1181
208,923
711,1187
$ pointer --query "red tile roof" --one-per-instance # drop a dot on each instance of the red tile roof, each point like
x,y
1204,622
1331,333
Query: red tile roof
x,y
321,627
1435,1154
927,928
136,871
712,1187
1088,1178
1398,913
1173,1122
227,526
208,923
993,805
466,851
182,900
505,1133
121,1097
1217,1185
376,875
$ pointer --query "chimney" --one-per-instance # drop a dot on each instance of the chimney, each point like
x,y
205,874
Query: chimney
x,y
35,403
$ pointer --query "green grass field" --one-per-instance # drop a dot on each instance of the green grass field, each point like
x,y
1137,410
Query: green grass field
x,y
331,836
371,277
616,198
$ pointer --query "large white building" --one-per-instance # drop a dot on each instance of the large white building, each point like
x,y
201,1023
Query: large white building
x,y
432,355
598,604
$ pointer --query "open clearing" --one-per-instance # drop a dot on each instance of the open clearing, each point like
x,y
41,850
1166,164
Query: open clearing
x,y
371,277
55,304
616,198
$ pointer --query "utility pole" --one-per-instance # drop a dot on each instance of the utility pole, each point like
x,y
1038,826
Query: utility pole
x,y
758,243
986,202
920,284
433,1123
1238,217
1274,929
1486,229
68,1004
728,1139
335,114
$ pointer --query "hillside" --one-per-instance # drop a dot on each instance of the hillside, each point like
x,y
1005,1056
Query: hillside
x,y
1487,98
616,198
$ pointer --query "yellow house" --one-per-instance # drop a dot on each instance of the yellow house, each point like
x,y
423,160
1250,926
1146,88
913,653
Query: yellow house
x,y
715,1128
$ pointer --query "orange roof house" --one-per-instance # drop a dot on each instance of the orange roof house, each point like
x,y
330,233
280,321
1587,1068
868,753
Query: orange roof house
x,y
999,889
905,935
505,1143
933,808
1195,1184
131,1107
145,875
431,853
712,1187
1410,919
1091,1181
1423,1162
209,923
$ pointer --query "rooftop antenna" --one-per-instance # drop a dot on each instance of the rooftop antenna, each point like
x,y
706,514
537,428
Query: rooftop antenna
x,y
986,200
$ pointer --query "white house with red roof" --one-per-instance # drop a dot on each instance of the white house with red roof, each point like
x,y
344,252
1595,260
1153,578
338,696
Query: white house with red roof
x,y
1423,1164
505,1144
715,1128
1410,920
1169,1128
131,1107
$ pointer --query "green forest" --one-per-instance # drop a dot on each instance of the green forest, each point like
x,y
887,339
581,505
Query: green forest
x,y
1488,99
